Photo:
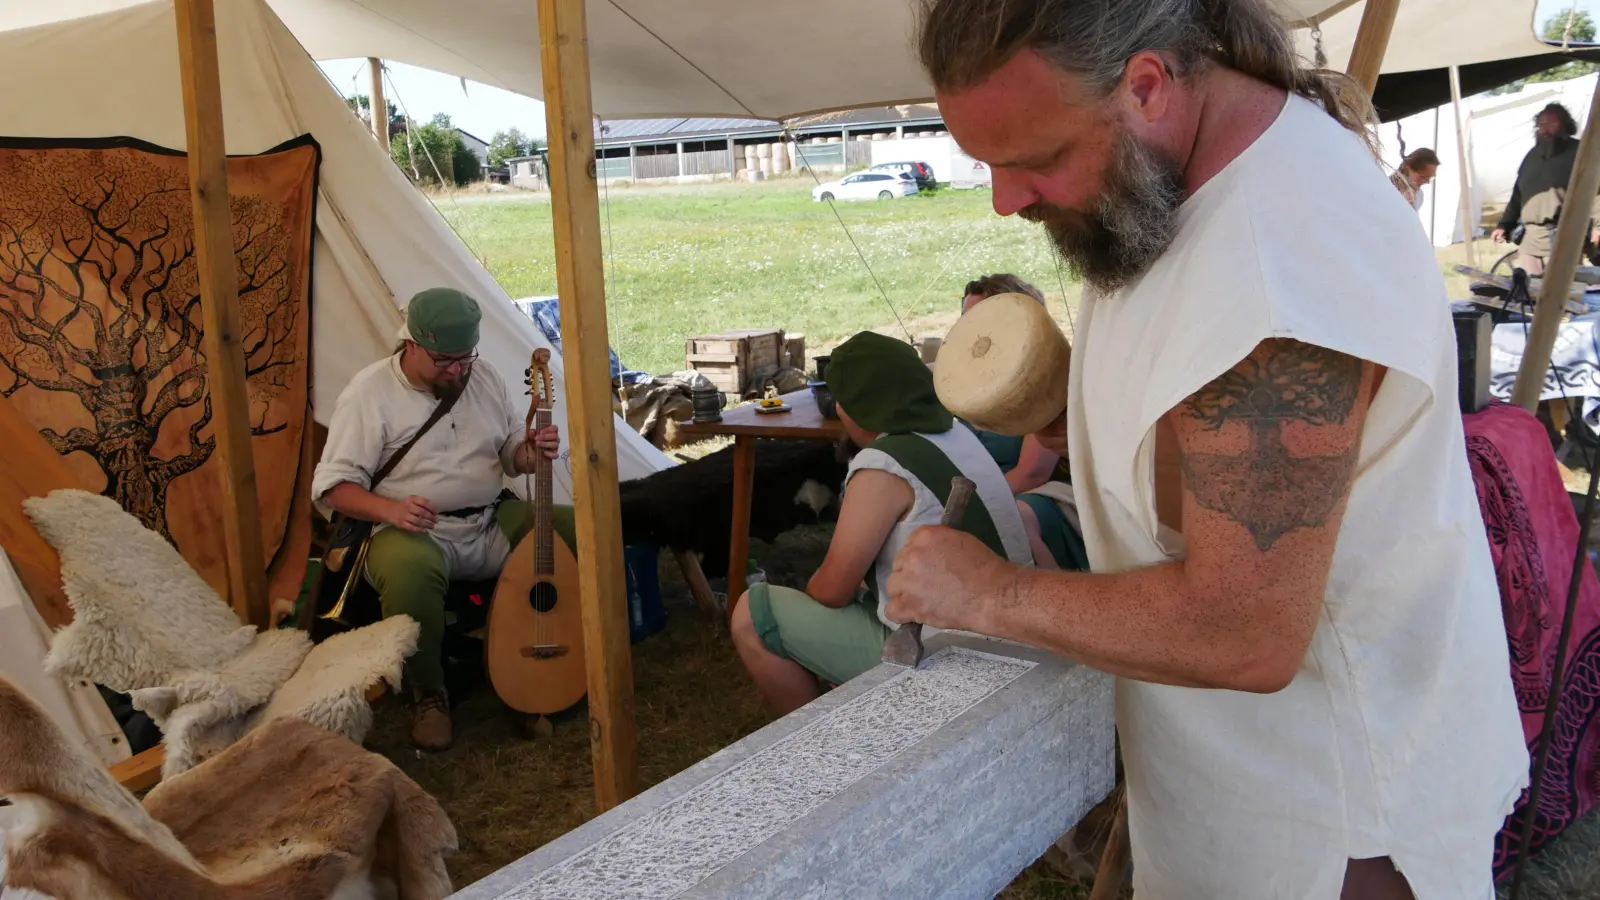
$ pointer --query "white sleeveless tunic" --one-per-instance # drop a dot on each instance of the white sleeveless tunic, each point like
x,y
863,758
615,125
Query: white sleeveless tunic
x,y
967,454
1399,736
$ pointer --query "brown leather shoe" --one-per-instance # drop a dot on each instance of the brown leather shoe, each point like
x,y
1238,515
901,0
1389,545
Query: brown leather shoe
x,y
430,723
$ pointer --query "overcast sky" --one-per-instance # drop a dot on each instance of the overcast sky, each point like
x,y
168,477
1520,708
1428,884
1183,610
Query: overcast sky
x,y
477,109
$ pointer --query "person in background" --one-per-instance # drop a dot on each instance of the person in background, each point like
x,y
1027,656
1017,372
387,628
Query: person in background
x,y
792,642
1038,477
443,514
1538,199
1416,172
992,285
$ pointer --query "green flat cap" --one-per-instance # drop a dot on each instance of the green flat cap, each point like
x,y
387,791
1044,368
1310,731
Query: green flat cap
x,y
444,320
883,385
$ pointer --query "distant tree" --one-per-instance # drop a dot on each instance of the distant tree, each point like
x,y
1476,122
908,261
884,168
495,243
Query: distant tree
x,y
1573,27
508,144
434,153
1556,30
361,105
467,166
463,162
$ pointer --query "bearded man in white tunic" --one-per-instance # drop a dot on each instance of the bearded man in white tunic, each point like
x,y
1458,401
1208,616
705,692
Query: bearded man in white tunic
x,y
1289,570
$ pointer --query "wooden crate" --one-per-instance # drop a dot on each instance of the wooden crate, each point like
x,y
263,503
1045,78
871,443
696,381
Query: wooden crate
x,y
794,352
736,361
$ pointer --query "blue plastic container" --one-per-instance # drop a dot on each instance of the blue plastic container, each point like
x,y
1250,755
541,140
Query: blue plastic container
x,y
646,615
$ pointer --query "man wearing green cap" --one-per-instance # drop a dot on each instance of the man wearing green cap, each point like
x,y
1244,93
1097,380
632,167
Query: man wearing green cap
x,y
792,641
442,513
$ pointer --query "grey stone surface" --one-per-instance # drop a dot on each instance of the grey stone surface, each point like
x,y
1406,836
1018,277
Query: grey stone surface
x,y
941,782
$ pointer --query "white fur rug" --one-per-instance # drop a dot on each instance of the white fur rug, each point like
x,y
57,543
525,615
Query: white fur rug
x,y
146,624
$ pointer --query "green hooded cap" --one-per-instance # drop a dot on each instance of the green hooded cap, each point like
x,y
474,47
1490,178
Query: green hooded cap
x,y
443,320
884,386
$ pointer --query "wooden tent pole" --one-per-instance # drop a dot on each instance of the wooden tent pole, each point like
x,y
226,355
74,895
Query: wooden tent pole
x,y
219,291
1562,263
1372,40
1464,165
580,283
380,107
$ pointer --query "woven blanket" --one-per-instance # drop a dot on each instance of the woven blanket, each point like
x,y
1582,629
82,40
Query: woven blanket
x,y
1532,535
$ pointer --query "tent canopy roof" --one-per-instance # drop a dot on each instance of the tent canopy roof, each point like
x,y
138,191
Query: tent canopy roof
x,y
1437,34
737,59
722,58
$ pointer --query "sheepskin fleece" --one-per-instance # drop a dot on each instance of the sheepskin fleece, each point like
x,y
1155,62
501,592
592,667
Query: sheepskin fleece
x,y
202,713
291,812
140,613
330,688
146,624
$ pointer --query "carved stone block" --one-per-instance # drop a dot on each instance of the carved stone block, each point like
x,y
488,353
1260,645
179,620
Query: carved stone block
x,y
942,782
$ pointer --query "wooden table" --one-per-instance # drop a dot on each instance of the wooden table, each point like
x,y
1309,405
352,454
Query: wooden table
x,y
803,422
1577,304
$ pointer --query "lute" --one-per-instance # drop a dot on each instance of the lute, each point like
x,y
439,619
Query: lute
x,y
535,629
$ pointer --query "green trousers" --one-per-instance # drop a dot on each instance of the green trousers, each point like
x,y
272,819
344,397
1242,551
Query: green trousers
x,y
409,572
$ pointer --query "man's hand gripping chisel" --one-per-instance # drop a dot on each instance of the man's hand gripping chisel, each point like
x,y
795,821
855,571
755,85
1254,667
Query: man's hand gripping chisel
x,y
904,647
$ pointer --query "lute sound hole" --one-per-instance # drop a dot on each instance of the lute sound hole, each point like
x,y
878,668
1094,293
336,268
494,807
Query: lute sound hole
x,y
542,597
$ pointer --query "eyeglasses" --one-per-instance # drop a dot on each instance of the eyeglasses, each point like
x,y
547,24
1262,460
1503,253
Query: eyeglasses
x,y
445,362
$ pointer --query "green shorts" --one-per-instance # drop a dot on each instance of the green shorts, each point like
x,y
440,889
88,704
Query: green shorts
x,y
836,645
1065,544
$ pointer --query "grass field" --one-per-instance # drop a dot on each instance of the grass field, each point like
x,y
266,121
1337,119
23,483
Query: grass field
x,y
696,260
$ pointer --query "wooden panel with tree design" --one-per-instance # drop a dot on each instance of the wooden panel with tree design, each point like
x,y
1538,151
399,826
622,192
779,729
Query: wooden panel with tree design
x,y
101,330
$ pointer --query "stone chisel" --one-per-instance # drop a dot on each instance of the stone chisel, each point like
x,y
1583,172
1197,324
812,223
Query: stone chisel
x,y
904,647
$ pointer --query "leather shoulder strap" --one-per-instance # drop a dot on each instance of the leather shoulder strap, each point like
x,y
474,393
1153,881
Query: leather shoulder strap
x,y
439,412
935,470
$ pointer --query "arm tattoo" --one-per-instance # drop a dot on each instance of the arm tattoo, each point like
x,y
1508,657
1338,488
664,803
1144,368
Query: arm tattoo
x,y
1265,489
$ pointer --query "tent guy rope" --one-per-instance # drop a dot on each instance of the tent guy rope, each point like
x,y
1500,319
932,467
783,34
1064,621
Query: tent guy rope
x,y
787,137
437,174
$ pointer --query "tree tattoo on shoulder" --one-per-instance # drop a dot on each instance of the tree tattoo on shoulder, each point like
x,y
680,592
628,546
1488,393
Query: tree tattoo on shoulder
x,y
1265,489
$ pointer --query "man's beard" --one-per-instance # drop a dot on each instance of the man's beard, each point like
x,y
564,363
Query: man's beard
x,y
1132,222
1552,145
444,390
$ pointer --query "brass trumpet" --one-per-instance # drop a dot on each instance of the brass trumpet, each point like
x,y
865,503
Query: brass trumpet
x,y
334,562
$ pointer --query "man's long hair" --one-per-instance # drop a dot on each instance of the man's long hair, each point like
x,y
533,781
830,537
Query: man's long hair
x,y
1569,125
963,42
1002,283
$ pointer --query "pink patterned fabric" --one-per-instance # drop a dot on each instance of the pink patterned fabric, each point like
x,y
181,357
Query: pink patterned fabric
x,y
1533,533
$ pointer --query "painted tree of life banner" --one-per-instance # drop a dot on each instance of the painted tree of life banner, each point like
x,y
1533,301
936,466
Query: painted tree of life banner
x,y
102,343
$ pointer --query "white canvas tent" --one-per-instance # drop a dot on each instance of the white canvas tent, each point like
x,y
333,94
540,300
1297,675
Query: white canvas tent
x,y
1436,34
75,706
377,240
1499,134
648,57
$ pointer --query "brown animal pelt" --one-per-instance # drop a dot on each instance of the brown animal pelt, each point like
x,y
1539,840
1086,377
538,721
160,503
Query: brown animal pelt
x,y
291,812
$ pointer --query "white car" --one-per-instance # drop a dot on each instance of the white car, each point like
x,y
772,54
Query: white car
x,y
865,186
